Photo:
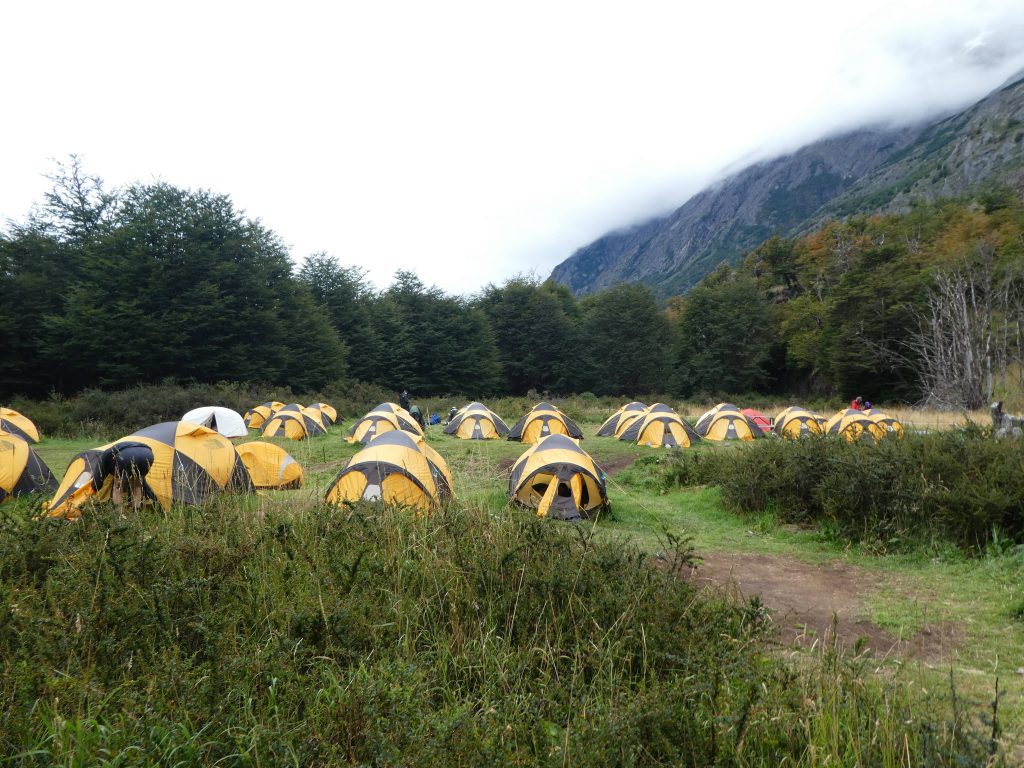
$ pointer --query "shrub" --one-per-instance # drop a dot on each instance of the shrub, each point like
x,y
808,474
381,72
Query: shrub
x,y
958,486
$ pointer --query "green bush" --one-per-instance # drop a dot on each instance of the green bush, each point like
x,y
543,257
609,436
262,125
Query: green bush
x,y
961,486
234,635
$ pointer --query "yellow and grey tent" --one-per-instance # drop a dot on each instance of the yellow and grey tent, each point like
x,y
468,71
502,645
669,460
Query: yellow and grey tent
x,y
544,419
891,424
295,422
558,479
384,418
270,466
852,424
477,422
660,427
395,468
327,413
629,412
700,426
256,417
15,423
728,422
21,470
796,422
189,464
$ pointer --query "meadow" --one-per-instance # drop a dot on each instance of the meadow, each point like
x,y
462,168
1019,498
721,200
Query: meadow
x,y
270,630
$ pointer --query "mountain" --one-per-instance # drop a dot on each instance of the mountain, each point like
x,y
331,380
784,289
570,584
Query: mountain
x,y
865,171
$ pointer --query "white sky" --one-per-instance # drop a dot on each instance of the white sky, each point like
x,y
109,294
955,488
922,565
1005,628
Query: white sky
x,y
466,141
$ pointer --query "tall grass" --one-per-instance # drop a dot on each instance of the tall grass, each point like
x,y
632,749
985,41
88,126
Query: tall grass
x,y
239,635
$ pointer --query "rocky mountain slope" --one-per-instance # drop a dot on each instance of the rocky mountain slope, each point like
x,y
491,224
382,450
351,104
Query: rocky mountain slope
x,y
864,171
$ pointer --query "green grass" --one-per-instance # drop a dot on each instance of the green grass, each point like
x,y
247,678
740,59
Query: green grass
x,y
437,702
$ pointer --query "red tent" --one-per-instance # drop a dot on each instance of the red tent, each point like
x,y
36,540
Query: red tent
x,y
758,418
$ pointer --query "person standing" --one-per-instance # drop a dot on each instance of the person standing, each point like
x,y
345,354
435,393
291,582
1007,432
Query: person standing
x,y
403,399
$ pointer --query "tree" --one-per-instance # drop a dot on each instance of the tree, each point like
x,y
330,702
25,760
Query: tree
x,y
537,340
347,296
969,332
724,338
628,341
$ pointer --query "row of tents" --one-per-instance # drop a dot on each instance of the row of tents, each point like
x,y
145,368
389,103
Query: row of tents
x,y
186,463
659,425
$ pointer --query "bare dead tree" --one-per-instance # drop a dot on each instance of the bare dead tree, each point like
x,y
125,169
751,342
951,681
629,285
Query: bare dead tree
x,y
968,332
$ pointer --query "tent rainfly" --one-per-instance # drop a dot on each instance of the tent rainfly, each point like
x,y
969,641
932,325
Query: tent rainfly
x,y
185,463
223,420
558,479
476,422
542,420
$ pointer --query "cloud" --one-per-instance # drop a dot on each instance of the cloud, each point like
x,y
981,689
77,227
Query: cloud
x,y
469,141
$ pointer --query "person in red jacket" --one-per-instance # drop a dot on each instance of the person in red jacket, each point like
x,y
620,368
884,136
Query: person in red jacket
x,y
857,403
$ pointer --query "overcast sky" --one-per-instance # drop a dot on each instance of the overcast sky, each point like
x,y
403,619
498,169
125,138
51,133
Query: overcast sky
x,y
466,141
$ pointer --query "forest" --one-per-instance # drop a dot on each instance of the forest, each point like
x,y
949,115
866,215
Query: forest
x,y
107,288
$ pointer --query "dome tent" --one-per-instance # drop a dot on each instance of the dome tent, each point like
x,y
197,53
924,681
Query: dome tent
x,y
727,422
395,468
476,422
270,466
760,419
14,423
891,424
852,425
21,470
255,417
190,465
295,422
700,426
223,420
383,418
659,426
327,413
629,412
542,420
795,422
558,479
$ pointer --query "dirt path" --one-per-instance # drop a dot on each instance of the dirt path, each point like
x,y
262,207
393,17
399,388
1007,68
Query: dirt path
x,y
804,599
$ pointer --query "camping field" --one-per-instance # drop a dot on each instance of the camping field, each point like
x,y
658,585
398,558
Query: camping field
x,y
269,630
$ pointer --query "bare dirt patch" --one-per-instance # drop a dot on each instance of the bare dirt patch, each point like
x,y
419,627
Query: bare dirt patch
x,y
812,603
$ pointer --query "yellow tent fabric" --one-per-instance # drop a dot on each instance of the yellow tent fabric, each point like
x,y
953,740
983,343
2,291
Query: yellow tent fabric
x,y
270,466
383,418
610,426
796,422
476,422
395,468
190,465
542,420
852,424
727,422
256,417
891,424
558,479
328,415
295,422
700,426
659,426
21,470
15,423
